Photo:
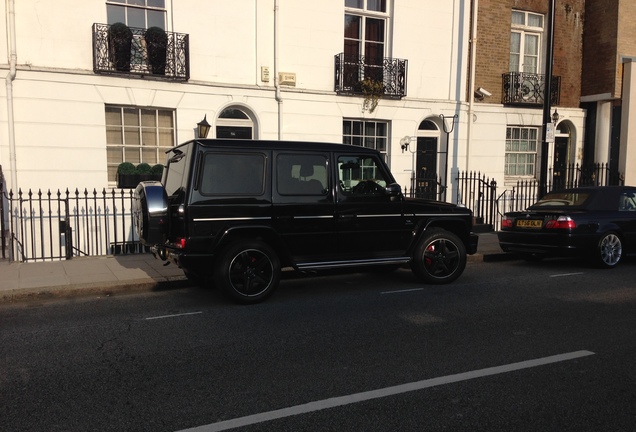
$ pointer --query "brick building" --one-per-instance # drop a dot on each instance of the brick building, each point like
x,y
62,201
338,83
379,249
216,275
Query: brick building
x,y
511,43
608,85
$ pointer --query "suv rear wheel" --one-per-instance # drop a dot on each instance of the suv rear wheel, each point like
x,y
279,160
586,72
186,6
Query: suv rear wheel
x,y
248,271
439,258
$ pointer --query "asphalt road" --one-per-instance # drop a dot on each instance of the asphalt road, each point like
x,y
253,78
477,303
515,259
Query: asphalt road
x,y
510,346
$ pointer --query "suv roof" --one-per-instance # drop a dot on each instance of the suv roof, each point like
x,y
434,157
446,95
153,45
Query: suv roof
x,y
278,145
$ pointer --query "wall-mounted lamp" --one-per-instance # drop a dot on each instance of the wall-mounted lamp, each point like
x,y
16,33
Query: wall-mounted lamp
x,y
555,117
203,128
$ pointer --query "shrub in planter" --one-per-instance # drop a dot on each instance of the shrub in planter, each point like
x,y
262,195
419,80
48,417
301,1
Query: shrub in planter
x,y
143,171
120,46
157,170
127,177
157,44
143,168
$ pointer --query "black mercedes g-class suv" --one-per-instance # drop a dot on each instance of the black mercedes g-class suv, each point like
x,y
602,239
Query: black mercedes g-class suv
x,y
236,212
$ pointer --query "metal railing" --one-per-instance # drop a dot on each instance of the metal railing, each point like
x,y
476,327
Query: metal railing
x,y
528,88
49,226
177,55
351,71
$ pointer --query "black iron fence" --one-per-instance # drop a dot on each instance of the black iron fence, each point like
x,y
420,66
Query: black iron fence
x,y
4,231
46,226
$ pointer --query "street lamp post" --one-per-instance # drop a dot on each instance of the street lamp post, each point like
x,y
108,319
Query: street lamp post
x,y
448,123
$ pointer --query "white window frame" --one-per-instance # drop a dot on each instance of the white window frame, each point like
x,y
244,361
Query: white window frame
x,y
375,141
131,4
365,13
524,30
144,151
521,151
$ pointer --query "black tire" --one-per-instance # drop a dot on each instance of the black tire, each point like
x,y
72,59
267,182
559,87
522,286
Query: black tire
x,y
248,271
609,251
439,258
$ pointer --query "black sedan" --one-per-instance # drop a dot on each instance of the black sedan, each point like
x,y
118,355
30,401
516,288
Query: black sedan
x,y
593,222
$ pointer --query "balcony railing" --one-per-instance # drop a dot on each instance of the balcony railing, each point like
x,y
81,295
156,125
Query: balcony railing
x,y
350,71
528,88
176,66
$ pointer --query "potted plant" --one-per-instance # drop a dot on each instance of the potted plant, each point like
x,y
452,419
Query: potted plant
x,y
120,46
127,177
143,171
156,171
372,91
157,45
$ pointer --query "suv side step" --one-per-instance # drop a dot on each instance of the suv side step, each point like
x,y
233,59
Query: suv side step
x,y
351,263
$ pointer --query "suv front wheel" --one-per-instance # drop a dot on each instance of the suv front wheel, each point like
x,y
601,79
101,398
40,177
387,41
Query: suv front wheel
x,y
248,271
439,258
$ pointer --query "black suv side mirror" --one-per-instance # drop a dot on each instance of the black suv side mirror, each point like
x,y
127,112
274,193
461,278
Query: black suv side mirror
x,y
393,189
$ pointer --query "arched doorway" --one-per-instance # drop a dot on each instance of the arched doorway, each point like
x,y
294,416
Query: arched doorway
x,y
426,174
234,123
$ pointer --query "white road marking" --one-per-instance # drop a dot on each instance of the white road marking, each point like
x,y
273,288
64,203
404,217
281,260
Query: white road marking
x,y
402,291
173,316
567,274
380,393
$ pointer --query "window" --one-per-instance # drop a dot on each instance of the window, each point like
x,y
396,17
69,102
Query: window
x,y
360,175
234,123
233,174
525,41
301,174
137,135
365,35
137,13
372,134
521,150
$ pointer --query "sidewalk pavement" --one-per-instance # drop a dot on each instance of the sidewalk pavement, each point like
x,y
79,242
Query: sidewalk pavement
x,y
107,275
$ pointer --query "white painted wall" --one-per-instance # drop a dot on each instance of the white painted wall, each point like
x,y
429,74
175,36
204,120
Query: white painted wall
x,y
59,101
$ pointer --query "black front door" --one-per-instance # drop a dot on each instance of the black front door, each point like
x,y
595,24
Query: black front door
x,y
426,168
559,175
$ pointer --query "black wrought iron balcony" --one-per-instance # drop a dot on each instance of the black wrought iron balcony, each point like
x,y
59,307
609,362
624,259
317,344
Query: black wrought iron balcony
x,y
136,52
528,89
352,71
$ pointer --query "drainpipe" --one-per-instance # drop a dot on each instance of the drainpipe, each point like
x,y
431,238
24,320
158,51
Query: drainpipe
x,y
278,96
471,80
9,81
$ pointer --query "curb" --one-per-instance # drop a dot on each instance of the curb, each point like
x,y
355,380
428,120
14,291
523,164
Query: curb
x,y
97,289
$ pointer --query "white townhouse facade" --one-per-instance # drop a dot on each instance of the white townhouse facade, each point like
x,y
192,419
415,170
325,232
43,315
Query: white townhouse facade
x,y
72,110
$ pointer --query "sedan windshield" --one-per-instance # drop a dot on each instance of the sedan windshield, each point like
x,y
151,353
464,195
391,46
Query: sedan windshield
x,y
562,199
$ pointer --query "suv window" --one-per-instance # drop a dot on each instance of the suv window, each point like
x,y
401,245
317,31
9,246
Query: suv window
x,y
233,174
301,174
177,171
360,175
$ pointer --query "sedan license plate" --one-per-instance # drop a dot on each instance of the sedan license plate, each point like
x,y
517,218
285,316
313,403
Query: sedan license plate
x,y
529,223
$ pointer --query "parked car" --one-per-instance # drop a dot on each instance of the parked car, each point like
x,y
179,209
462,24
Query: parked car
x,y
595,222
238,211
